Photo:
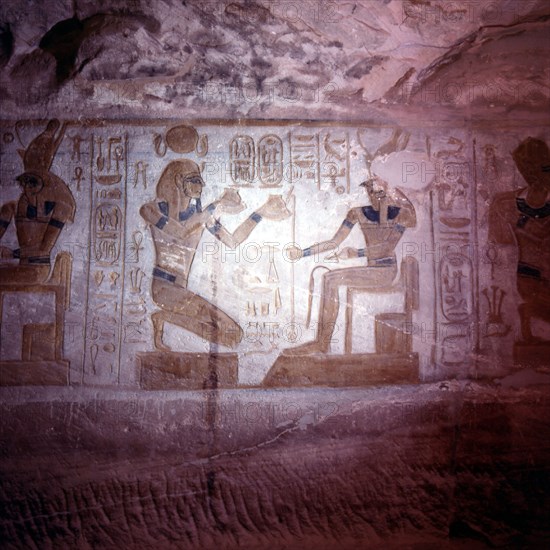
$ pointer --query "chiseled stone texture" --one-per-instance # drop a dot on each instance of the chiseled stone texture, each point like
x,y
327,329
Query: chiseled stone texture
x,y
273,58
440,465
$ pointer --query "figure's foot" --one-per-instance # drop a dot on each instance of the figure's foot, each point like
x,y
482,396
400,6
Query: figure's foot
x,y
160,346
310,348
158,329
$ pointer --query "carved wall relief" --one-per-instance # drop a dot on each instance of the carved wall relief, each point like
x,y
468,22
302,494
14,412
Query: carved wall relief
x,y
39,214
206,254
242,156
454,247
520,220
270,160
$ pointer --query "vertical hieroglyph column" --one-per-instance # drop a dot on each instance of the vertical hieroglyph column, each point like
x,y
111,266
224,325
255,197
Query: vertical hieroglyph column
x,y
106,261
455,252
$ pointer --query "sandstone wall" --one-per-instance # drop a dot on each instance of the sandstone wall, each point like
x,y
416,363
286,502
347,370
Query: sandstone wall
x,y
181,366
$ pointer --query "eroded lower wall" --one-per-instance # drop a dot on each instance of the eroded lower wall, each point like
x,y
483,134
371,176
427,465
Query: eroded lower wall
x,y
432,465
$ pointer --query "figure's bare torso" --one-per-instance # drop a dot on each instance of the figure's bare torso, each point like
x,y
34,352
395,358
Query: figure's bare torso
x,y
513,219
176,255
534,244
381,238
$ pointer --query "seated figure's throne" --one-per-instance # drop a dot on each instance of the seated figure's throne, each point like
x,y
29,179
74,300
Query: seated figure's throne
x,y
41,361
393,362
392,331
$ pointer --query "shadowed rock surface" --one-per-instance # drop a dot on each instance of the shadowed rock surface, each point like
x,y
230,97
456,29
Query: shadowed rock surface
x,y
446,464
273,59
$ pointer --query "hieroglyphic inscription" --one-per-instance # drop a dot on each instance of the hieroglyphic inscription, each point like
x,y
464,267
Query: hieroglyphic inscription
x,y
242,157
227,209
109,167
304,157
335,161
454,225
270,160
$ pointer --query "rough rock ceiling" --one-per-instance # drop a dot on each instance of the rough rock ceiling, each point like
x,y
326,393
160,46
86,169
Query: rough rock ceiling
x,y
271,58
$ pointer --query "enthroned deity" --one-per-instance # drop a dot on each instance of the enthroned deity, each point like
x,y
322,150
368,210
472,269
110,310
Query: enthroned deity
x,y
382,223
45,205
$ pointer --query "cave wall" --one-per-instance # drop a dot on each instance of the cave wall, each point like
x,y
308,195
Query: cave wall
x,y
168,375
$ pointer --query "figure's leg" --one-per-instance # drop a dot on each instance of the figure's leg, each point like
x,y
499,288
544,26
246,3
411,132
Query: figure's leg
x,y
328,312
357,277
158,318
213,324
329,306
185,309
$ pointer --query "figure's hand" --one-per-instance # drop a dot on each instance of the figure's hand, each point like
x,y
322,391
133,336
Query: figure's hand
x,y
346,253
294,253
230,203
274,209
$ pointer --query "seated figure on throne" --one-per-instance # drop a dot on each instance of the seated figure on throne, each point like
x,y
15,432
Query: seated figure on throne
x,y
382,223
39,215
45,205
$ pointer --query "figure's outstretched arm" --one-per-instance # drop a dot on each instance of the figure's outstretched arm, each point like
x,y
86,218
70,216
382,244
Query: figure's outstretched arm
x,y
326,246
232,240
